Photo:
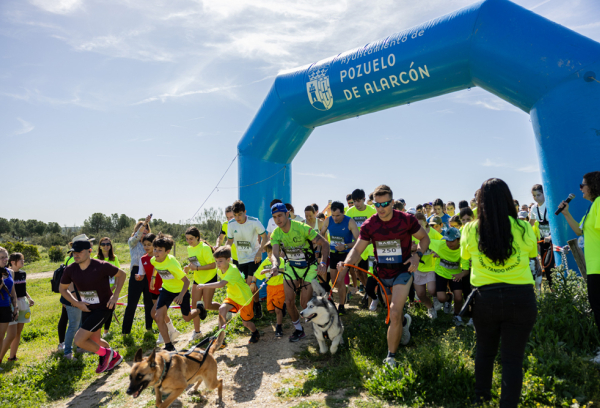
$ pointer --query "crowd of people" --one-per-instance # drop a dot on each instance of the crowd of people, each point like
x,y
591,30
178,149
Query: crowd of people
x,y
478,261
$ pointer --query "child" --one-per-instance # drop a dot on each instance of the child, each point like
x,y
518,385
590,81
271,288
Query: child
x,y
24,301
424,277
174,287
154,289
239,295
202,263
275,293
449,271
106,253
455,222
436,223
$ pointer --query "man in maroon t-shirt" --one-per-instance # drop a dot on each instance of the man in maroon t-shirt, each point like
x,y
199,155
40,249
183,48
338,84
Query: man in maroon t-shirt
x,y
91,278
391,231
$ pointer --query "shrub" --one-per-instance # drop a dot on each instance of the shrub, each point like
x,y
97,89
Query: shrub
x,y
30,252
56,254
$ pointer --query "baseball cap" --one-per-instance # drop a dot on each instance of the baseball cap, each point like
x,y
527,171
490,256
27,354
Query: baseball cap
x,y
451,234
80,243
523,215
279,207
435,221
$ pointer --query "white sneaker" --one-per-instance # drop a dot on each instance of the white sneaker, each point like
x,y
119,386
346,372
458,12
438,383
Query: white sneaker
x,y
160,340
596,359
61,347
405,331
432,313
448,304
104,335
417,298
436,304
173,334
458,321
390,362
195,335
374,304
470,322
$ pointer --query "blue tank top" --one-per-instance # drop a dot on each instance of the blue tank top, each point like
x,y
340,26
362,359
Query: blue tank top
x,y
340,233
5,292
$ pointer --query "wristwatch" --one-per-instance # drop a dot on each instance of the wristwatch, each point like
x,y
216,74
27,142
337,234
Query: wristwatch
x,y
420,254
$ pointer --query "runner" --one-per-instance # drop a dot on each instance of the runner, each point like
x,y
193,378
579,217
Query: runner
x,y
271,224
428,208
436,223
450,208
223,234
424,279
344,233
106,253
296,242
390,232
350,202
438,211
9,306
311,217
91,277
275,291
360,213
539,213
249,237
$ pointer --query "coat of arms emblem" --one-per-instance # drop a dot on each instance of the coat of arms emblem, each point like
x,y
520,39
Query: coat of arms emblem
x,y
318,89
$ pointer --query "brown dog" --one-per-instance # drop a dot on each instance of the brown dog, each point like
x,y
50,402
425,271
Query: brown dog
x,y
170,373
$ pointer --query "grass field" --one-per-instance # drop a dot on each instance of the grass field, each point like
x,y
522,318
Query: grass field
x,y
436,368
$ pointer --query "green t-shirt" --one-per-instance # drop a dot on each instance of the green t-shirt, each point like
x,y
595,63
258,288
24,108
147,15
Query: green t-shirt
x,y
171,273
360,217
267,264
69,261
514,271
233,248
294,242
450,262
429,261
237,288
591,236
201,255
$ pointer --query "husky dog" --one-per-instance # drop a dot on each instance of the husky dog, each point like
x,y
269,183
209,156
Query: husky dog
x,y
325,319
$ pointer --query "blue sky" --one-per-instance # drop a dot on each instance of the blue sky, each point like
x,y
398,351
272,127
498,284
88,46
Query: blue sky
x,y
137,106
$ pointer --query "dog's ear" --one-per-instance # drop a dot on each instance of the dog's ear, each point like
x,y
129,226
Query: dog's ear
x,y
138,356
317,288
152,359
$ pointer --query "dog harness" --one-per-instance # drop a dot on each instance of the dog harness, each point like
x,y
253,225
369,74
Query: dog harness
x,y
311,259
167,363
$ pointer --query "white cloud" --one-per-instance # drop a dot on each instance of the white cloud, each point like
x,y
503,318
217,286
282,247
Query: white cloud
x,y
58,6
529,169
490,163
324,175
26,127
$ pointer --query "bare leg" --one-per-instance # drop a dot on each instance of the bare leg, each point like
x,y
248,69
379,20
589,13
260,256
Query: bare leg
x,y
394,334
422,294
14,346
207,295
196,296
458,301
90,341
290,299
161,316
279,315
305,295
11,333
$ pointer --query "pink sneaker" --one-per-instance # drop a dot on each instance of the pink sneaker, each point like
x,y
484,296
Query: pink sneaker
x,y
116,360
104,361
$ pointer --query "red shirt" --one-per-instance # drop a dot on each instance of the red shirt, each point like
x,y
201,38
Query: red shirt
x,y
391,240
92,283
149,269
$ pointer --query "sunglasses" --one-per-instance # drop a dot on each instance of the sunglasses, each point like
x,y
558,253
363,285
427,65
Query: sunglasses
x,y
350,202
105,244
581,186
382,205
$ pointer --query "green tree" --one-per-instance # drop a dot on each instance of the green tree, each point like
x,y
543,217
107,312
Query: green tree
x,y
4,226
53,228
17,228
34,227
96,223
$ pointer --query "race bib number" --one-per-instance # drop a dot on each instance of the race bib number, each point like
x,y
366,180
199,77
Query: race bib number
x,y
165,275
194,261
544,230
111,280
359,221
89,296
448,264
389,252
336,241
296,257
243,246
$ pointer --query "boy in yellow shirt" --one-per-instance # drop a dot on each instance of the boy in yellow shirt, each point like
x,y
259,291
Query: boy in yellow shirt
x,y
275,292
239,296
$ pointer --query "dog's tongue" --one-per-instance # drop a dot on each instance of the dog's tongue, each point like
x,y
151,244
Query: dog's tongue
x,y
136,394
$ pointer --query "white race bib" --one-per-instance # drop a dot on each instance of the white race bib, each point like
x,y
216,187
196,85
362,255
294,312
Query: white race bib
x,y
296,257
194,261
389,252
165,275
243,247
89,296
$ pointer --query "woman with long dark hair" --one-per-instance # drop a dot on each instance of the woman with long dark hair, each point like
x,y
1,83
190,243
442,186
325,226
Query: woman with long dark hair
x,y
504,304
589,230
106,253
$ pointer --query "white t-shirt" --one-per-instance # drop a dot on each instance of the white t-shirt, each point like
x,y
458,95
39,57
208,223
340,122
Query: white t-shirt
x,y
245,238
271,226
538,212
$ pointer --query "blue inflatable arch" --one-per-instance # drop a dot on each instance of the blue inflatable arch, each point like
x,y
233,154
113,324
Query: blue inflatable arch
x,y
538,66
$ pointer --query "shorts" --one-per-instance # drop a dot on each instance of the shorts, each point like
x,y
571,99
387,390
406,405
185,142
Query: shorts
x,y
93,320
335,258
275,297
363,264
441,284
306,274
154,295
246,312
166,298
401,279
6,314
423,278
248,268
199,281
24,311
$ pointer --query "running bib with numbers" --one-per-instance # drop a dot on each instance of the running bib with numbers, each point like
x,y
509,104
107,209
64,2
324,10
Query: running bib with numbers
x,y
165,275
194,261
389,252
544,230
89,296
359,220
296,257
243,246
336,241
448,264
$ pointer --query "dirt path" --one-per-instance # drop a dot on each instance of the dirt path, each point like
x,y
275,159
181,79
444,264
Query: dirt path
x,y
46,275
252,374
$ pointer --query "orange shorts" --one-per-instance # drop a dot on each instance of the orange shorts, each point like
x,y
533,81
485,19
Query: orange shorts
x,y
275,297
246,312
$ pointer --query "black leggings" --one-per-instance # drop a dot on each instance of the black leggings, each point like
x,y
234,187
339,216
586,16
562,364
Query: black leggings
x,y
506,314
371,288
593,284
62,324
109,319
545,251
136,289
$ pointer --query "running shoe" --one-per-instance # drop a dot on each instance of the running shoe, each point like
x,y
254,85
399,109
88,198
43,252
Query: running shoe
x,y
104,361
170,348
160,340
70,357
116,360
195,335
341,310
448,304
458,321
405,330
104,335
374,304
255,337
436,304
348,295
61,346
390,362
364,302
258,310
361,288
279,331
297,336
174,334
201,309
224,344
432,313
